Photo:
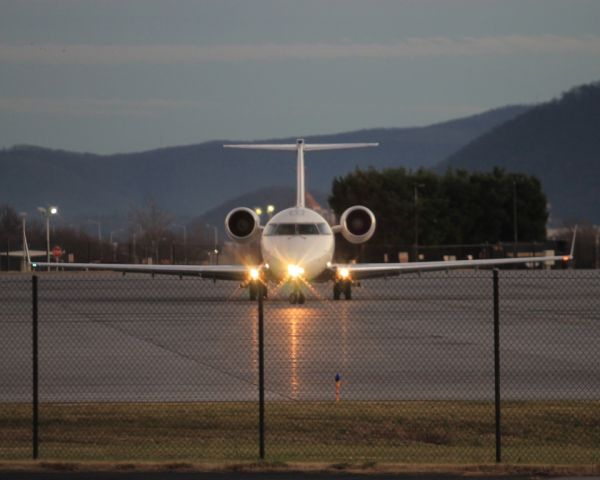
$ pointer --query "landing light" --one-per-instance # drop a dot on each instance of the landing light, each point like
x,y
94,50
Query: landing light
x,y
343,273
295,271
566,258
254,274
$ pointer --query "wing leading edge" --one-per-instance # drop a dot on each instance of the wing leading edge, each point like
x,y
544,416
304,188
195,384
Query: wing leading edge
x,y
373,270
220,272
360,271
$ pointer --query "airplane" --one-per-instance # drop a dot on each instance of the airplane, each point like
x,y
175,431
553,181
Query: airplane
x,y
297,244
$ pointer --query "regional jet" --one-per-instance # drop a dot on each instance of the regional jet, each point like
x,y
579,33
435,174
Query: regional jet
x,y
297,244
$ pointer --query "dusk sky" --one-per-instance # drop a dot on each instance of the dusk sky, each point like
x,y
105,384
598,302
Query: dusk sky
x,y
126,75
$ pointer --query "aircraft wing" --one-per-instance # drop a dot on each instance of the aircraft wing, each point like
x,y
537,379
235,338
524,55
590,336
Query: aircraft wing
x,y
360,271
220,272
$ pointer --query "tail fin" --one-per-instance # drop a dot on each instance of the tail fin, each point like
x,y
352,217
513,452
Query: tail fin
x,y
300,147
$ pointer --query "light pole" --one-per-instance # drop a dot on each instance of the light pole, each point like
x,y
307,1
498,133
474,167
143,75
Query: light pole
x,y
183,227
216,234
515,230
417,186
47,212
99,229
133,237
598,247
99,236
24,266
114,244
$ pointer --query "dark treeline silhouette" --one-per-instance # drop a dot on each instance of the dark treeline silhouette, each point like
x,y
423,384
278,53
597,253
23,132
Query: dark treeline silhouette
x,y
455,208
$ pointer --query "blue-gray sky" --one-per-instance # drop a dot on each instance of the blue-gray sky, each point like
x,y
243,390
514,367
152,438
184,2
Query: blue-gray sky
x,y
126,75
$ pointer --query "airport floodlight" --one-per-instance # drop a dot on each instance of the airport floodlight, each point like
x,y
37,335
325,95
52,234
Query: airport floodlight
x,y
184,229
258,211
47,212
270,209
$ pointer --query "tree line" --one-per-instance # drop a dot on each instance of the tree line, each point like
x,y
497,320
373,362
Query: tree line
x,y
458,207
150,233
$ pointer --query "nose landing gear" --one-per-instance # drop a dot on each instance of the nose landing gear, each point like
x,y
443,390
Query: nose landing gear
x,y
342,287
297,297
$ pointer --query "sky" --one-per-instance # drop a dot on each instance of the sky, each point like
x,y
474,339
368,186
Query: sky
x,y
109,76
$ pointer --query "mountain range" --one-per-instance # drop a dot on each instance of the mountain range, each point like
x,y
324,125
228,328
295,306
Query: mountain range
x,y
190,180
557,141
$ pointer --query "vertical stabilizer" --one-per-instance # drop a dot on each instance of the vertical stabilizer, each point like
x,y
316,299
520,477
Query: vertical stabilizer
x,y
300,147
300,188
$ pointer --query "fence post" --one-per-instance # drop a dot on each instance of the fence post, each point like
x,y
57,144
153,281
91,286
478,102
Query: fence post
x,y
497,365
261,374
35,402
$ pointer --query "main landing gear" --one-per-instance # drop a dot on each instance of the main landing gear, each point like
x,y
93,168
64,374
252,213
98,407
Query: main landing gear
x,y
342,287
256,287
297,297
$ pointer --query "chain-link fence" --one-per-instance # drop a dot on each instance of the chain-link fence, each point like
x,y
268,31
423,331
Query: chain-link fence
x,y
141,368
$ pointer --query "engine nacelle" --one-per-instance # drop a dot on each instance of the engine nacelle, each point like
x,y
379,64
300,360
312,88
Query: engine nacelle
x,y
357,224
242,224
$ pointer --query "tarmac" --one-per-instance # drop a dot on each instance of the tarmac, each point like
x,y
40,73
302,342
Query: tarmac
x,y
113,338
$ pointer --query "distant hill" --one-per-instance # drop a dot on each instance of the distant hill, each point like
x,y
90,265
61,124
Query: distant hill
x,y
189,180
559,142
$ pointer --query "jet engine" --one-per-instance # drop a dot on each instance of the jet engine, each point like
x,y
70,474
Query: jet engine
x,y
357,224
242,224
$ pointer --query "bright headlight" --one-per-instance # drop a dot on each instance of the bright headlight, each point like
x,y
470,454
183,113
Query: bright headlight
x,y
295,271
254,274
343,273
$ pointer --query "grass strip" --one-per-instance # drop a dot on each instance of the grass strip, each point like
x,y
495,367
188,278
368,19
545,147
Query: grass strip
x,y
344,434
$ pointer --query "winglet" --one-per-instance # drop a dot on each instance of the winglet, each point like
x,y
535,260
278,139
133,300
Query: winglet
x,y
573,243
26,248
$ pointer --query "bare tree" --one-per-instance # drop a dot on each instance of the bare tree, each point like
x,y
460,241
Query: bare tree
x,y
154,223
9,222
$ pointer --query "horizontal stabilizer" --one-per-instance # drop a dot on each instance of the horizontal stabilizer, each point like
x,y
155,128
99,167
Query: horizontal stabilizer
x,y
308,147
300,147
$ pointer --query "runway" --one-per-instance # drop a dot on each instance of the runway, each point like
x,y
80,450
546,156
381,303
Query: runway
x,y
105,337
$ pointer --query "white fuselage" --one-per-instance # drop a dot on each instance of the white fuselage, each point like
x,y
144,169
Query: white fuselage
x,y
300,237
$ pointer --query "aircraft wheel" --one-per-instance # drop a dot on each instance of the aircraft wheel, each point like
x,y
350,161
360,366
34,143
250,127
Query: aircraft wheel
x,y
293,298
263,290
336,291
301,298
348,290
252,291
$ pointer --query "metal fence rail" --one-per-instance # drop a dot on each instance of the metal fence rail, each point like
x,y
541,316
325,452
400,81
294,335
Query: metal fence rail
x,y
161,368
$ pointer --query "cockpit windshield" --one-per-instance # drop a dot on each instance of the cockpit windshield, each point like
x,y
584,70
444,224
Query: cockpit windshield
x,y
289,229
